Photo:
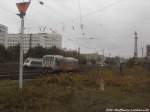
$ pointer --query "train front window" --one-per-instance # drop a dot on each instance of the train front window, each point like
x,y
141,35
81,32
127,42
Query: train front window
x,y
48,60
57,61
27,60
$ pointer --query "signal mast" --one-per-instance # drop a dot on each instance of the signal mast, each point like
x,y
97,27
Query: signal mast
x,y
22,7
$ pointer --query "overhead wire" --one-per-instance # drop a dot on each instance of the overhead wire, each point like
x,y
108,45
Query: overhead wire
x,y
83,16
92,12
102,9
87,15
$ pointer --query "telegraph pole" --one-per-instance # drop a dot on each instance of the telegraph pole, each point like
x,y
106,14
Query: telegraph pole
x,y
22,7
142,51
30,41
136,46
79,52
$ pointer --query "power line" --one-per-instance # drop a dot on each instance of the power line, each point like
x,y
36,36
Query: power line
x,y
81,16
93,12
84,16
102,9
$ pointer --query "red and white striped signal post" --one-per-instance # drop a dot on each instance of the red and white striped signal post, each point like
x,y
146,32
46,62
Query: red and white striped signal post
x,y
22,7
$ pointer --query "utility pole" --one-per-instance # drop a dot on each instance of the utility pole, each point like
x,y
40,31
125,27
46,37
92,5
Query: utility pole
x,y
136,45
30,41
79,52
22,7
142,51
103,52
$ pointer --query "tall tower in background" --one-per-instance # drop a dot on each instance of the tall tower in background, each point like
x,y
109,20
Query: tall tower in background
x,y
148,51
136,45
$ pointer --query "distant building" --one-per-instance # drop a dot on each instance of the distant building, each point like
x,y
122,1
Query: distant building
x,y
99,59
45,40
91,56
32,40
148,51
3,34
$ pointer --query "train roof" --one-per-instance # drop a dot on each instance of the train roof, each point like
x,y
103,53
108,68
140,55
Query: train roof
x,y
34,59
71,59
56,56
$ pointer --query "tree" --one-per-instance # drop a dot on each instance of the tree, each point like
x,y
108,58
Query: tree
x,y
39,52
55,51
3,54
36,52
13,53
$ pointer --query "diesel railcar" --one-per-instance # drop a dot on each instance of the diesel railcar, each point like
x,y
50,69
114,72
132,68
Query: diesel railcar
x,y
53,63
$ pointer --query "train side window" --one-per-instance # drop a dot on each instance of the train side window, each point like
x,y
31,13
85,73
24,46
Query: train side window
x,y
57,61
36,63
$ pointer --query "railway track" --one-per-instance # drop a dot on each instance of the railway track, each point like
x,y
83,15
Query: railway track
x,y
15,75
11,72
26,75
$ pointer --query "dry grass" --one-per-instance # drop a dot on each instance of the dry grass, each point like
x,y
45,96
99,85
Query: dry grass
x,y
74,92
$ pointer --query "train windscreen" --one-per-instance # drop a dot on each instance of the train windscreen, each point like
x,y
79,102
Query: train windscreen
x,y
48,60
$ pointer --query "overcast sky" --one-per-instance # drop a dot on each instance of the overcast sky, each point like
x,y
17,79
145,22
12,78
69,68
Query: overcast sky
x,y
108,24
